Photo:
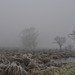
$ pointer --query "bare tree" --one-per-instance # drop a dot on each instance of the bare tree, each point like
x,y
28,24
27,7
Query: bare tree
x,y
72,35
29,38
60,41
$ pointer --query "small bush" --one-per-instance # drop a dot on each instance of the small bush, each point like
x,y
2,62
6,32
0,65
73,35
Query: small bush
x,y
26,61
32,65
45,60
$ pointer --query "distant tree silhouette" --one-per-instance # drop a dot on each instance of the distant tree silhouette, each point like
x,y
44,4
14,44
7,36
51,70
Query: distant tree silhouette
x,y
70,47
29,38
60,41
72,35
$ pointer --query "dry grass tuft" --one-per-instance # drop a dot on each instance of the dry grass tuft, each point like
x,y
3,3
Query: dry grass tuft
x,y
14,69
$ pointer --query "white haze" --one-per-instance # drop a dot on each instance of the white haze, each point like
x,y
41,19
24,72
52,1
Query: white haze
x,y
50,17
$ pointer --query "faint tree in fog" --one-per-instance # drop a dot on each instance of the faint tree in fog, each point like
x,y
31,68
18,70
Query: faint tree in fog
x,y
72,35
29,38
70,47
60,41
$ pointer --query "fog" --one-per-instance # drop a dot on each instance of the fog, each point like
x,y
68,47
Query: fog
x,y
51,18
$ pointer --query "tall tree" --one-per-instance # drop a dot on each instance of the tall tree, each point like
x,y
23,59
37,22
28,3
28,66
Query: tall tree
x,y
29,38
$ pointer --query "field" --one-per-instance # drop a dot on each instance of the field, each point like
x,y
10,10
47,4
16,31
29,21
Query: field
x,y
35,62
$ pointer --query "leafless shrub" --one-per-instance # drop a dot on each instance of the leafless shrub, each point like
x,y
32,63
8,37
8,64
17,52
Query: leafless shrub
x,y
26,61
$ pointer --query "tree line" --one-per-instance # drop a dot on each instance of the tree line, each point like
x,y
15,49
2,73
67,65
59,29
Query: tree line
x,y
29,38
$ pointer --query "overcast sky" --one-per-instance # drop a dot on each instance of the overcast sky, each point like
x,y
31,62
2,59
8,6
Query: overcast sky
x,y
50,17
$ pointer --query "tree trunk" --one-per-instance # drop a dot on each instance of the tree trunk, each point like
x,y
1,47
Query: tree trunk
x,y
60,48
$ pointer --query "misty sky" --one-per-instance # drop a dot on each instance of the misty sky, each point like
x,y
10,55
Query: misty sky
x,y
50,17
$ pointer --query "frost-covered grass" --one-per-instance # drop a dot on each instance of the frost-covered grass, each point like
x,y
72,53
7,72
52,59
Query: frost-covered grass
x,y
22,62
12,69
68,69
